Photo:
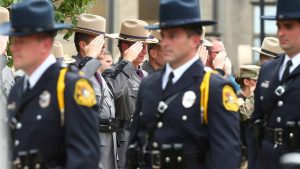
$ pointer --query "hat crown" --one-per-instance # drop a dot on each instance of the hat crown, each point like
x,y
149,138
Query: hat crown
x,y
4,15
286,9
134,28
271,44
249,71
91,24
33,14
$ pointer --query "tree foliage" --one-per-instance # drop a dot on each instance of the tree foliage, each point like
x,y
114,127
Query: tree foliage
x,y
65,10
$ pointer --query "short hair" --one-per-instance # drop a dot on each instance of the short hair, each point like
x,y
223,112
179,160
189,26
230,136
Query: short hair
x,y
213,39
193,29
49,34
81,37
120,41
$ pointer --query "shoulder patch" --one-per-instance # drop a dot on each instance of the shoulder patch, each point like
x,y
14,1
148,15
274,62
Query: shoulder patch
x,y
230,101
84,94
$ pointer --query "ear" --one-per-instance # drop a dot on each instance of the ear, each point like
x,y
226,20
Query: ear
x,y
196,40
82,45
246,82
153,53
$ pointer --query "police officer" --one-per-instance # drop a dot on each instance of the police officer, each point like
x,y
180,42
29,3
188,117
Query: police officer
x,y
277,93
90,30
247,79
124,79
176,125
52,121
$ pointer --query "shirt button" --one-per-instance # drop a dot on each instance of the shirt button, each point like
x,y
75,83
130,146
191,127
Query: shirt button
x,y
19,125
261,97
160,124
280,103
17,142
184,117
278,119
39,117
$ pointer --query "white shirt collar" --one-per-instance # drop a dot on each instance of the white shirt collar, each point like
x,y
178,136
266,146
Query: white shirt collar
x,y
178,72
36,75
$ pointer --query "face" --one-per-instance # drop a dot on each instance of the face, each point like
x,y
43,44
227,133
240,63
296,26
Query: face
x,y
177,46
157,56
141,57
106,62
289,36
251,84
217,47
29,51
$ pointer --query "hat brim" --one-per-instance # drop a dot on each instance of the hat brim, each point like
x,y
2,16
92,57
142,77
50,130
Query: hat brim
x,y
206,43
117,36
257,49
89,32
69,60
268,17
6,29
177,23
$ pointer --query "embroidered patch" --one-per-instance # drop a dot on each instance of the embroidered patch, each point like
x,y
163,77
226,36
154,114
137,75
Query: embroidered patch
x,y
230,101
84,94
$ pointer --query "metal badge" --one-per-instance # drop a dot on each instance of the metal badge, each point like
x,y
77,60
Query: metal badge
x,y
45,99
279,90
188,99
265,84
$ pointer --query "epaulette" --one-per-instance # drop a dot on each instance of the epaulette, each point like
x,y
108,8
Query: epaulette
x,y
119,70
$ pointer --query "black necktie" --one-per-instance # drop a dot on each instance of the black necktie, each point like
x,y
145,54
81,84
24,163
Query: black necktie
x,y
27,87
98,78
170,82
139,72
286,70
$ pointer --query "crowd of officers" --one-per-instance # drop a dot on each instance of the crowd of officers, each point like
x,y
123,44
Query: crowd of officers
x,y
180,109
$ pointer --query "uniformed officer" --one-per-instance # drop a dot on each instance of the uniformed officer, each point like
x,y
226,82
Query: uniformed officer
x,y
176,125
6,82
124,79
247,79
89,31
277,93
52,121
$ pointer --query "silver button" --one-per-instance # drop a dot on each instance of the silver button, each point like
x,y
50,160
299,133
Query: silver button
x,y
179,158
184,117
167,159
280,103
278,119
141,113
39,117
291,135
159,124
17,142
155,145
19,125
261,97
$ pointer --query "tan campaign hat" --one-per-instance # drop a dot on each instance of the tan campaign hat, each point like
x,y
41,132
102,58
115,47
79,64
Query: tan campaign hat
x,y
156,33
249,71
269,47
91,24
67,59
134,30
4,15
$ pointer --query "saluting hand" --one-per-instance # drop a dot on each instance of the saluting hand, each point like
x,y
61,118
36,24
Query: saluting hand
x,y
203,53
95,47
133,51
219,60
3,44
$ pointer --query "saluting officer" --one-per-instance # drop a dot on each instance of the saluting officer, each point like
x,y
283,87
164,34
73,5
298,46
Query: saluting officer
x,y
124,78
176,125
52,121
277,93
89,31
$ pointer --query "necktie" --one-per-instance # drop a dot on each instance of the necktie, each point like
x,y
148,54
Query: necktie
x,y
139,72
27,87
286,70
170,82
98,78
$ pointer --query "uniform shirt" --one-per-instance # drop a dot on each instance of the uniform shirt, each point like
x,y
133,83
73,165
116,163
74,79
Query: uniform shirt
x,y
295,60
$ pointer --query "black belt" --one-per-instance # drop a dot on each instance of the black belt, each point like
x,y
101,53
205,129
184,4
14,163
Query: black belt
x,y
287,138
108,125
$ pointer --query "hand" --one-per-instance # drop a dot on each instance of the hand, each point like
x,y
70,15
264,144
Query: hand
x,y
3,44
133,51
203,53
219,60
95,47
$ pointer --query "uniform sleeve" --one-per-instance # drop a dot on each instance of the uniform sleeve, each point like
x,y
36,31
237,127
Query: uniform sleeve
x,y
91,67
81,123
223,125
117,80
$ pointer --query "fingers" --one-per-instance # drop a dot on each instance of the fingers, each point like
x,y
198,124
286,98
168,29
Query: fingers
x,y
3,44
133,51
95,46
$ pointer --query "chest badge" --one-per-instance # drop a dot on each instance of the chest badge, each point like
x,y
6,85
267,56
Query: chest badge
x,y
188,99
45,99
265,84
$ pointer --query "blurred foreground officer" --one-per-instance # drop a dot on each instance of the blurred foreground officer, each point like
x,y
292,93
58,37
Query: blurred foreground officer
x,y
89,41
51,119
277,93
169,129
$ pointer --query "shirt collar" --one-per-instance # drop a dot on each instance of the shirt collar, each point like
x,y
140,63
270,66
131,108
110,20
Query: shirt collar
x,y
36,75
178,72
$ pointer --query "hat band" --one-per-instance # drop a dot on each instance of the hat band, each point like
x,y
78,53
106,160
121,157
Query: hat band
x,y
268,52
100,32
28,30
132,37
